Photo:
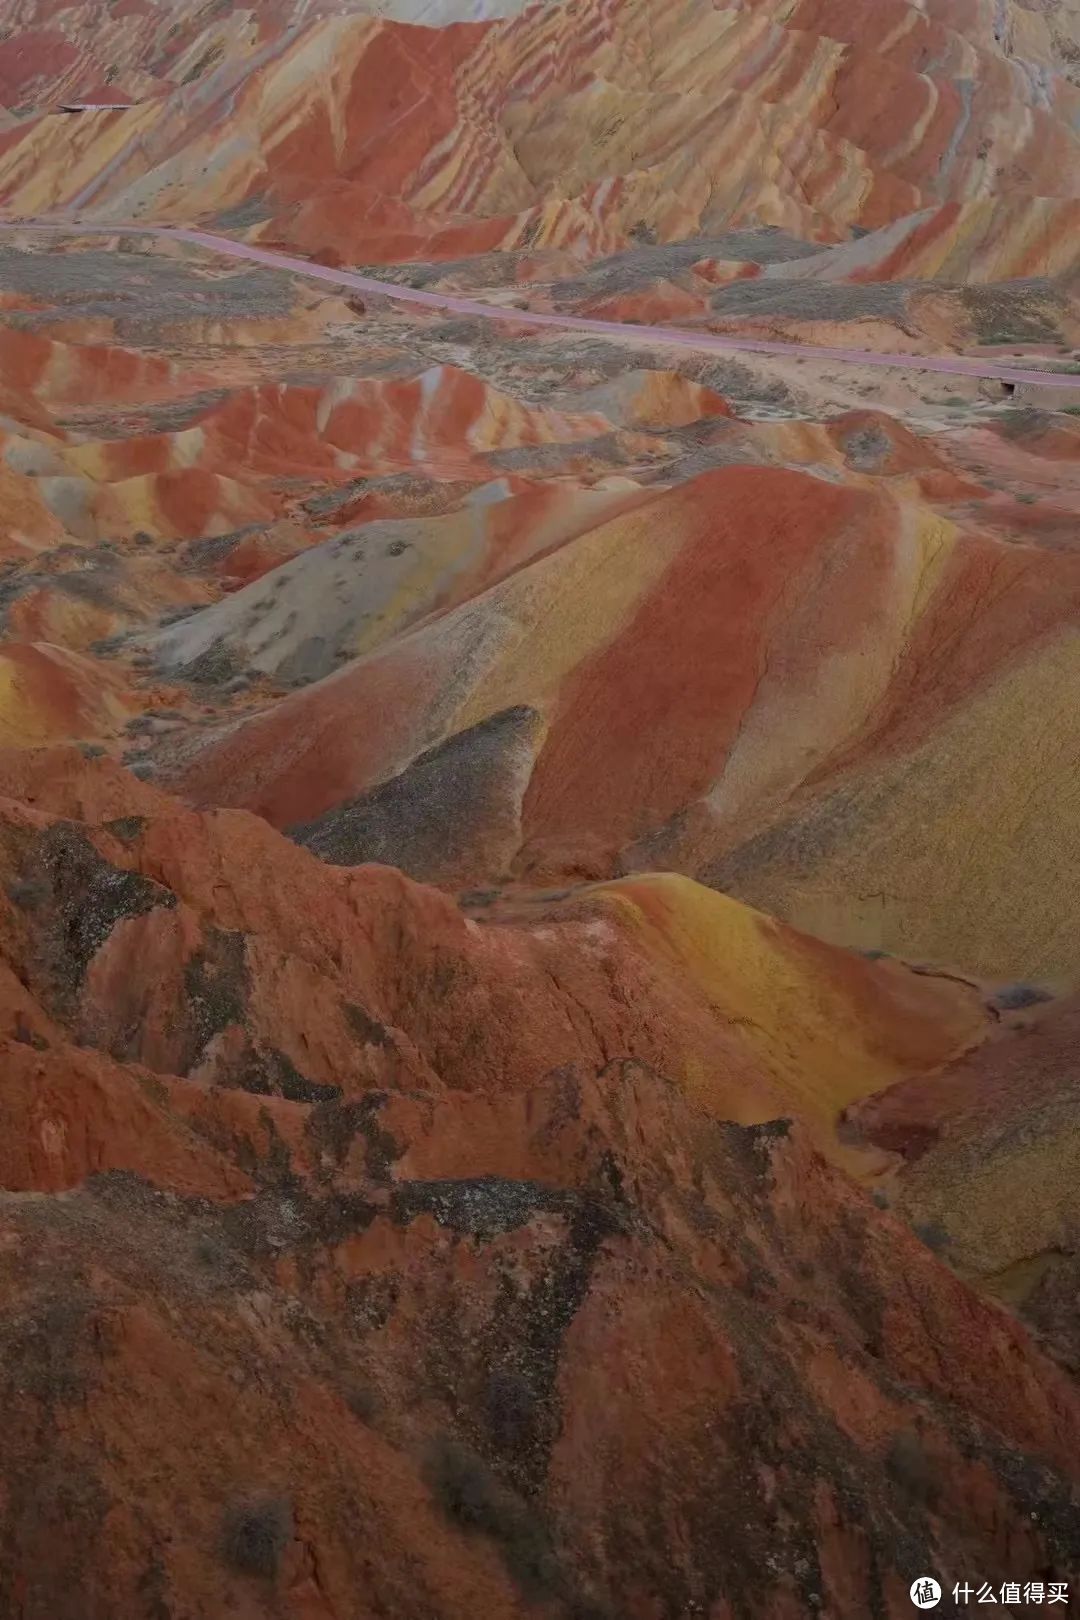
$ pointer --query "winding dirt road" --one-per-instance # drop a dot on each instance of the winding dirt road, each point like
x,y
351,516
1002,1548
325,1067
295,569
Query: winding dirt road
x,y
672,336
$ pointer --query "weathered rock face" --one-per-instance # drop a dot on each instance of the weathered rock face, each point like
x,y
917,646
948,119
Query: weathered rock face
x,y
792,688
948,133
361,1258
210,946
302,564
508,1106
986,1162
455,811
582,1378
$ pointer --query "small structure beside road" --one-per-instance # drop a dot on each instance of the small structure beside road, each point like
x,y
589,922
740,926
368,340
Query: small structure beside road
x,y
95,106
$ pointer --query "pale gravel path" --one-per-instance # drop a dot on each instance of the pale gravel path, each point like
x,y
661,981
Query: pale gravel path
x,y
674,336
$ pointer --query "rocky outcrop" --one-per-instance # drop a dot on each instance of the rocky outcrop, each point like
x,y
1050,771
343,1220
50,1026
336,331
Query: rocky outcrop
x,y
364,1257
985,1162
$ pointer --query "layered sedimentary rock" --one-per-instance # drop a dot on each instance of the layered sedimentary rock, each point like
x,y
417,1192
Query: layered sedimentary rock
x,y
568,127
307,1164
537,866
749,687
984,1156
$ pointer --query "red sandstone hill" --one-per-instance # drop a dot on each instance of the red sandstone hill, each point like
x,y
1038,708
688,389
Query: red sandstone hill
x,y
947,132
338,1286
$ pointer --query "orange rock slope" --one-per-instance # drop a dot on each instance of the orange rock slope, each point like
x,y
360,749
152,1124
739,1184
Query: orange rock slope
x,y
791,687
566,126
361,1215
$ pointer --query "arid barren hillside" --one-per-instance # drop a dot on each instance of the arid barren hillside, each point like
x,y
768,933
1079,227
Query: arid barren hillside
x,y
539,821
946,131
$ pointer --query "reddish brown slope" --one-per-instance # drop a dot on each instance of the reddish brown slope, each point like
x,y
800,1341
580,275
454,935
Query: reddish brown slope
x,y
987,1161
262,955
571,129
792,686
421,1294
